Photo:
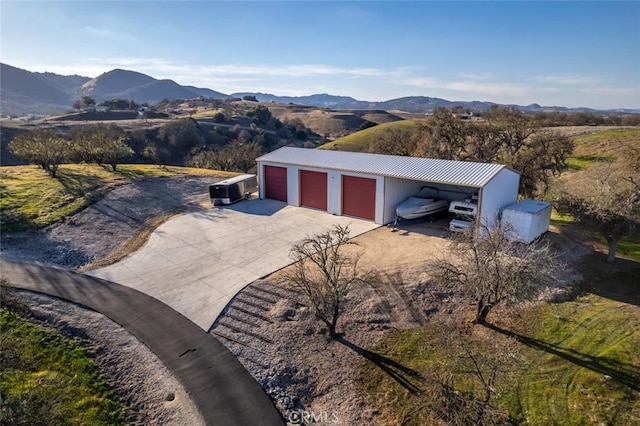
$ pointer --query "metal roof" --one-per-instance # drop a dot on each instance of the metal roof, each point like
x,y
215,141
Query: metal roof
x,y
465,173
529,206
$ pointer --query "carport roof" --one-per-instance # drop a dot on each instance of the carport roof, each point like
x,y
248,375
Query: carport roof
x,y
465,173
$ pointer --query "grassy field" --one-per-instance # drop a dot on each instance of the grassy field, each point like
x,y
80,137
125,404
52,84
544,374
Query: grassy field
x,y
606,145
573,363
48,379
359,141
29,198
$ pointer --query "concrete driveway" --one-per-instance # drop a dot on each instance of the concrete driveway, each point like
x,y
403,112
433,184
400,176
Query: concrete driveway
x,y
196,263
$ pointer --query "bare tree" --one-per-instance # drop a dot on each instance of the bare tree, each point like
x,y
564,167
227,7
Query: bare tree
x,y
43,147
324,273
605,198
102,144
485,265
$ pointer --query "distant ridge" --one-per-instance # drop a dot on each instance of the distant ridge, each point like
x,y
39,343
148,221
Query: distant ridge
x,y
26,92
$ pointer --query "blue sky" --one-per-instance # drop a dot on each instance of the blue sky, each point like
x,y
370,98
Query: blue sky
x,y
553,53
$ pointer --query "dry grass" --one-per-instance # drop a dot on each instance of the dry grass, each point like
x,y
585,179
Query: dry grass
x,y
29,198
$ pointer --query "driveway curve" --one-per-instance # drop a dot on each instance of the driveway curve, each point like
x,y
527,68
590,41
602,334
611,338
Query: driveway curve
x,y
221,388
197,262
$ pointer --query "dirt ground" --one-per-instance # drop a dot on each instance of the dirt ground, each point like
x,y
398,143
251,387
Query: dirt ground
x,y
300,368
304,371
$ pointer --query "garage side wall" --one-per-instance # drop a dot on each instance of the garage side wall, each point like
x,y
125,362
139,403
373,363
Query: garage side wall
x,y
498,193
396,191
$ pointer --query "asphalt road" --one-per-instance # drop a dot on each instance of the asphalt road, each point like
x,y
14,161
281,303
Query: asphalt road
x,y
222,389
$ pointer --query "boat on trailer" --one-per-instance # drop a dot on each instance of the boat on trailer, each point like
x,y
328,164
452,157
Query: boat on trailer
x,y
417,208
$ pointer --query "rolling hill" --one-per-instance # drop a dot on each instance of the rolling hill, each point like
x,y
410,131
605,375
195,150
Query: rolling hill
x,y
25,92
359,141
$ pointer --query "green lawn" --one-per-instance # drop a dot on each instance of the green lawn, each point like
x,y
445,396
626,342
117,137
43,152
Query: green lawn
x,y
29,198
48,379
582,363
359,141
573,363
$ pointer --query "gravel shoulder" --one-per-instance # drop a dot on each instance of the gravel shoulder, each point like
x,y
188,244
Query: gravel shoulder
x,y
148,390
104,227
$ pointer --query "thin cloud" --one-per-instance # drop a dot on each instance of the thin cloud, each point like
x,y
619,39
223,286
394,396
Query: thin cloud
x,y
472,87
488,89
610,90
474,76
106,33
567,79
424,83
161,66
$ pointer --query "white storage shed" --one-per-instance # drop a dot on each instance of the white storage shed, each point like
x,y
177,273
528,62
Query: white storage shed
x,y
526,220
370,186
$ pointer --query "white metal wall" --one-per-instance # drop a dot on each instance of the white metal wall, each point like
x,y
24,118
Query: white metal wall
x,y
334,192
293,185
498,193
396,191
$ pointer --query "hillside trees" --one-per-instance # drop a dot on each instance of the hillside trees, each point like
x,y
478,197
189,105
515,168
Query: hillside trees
x,y
182,135
509,137
443,136
84,102
605,198
236,156
119,104
260,114
394,141
43,147
100,144
542,157
489,268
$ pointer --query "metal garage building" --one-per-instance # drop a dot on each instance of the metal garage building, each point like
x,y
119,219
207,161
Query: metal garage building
x,y
370,186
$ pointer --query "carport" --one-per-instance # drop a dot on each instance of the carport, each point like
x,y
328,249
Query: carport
x,y
370,186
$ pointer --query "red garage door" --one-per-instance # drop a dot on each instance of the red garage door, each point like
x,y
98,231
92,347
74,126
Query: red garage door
x,y
359,197
275,183
313,189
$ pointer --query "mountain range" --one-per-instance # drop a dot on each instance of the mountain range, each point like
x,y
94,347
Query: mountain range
x,y
24,92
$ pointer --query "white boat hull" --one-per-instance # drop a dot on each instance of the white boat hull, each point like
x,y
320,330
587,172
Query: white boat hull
x,y
415,208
